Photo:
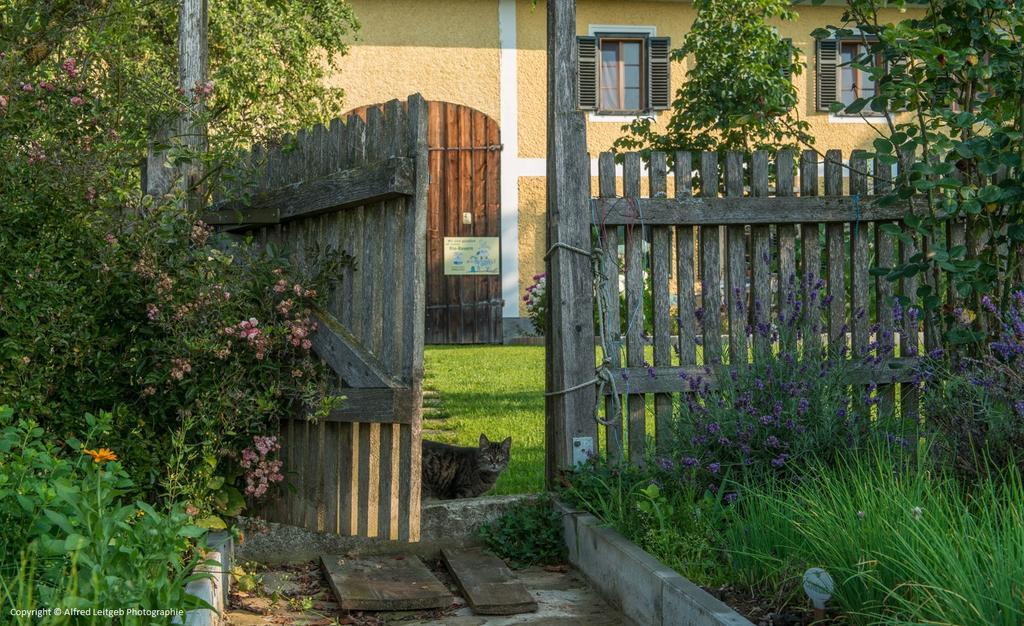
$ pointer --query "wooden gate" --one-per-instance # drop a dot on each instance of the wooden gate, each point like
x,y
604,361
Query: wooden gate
x,y
465,178
464,201
356,188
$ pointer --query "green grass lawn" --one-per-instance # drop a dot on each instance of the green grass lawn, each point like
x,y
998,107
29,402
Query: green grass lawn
x,y
495,390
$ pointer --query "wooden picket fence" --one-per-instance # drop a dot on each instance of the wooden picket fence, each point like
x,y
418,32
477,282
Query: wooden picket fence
x,y
358,189
737,257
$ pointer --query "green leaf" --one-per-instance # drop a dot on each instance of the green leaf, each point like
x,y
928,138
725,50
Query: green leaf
x,y
883,146
75,542
211,522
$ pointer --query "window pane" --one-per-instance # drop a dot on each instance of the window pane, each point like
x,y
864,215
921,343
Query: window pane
x,y
632,99
631,52
610,75
632,78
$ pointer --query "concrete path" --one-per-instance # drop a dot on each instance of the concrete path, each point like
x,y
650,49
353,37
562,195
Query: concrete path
x,y
298,594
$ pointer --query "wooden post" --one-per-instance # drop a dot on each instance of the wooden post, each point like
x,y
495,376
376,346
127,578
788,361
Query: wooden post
x,y
569,362
193,62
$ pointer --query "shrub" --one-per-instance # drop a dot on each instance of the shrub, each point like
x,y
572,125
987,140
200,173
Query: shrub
x,y
904,544
527,535
70,538
975,406
536,300
196,345
770,416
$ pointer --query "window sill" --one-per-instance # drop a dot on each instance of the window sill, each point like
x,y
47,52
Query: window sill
x,y
855,119
620,118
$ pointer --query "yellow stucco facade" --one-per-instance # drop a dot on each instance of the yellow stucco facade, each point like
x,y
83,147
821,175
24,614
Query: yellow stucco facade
x,y
491,55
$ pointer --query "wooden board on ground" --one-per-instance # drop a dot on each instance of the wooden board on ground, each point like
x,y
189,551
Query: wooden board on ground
x,y
489,586
384,584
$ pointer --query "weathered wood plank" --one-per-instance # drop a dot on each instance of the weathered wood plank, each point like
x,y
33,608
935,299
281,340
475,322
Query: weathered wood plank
x,y
909,337
761,263
787,278
386,583
736,211
710,266
661,273
810,258
681,379
569,344
487,584
859,277
685,276
362,185
382,405
885,256
736,264
609,239
836,251
635,239
346,355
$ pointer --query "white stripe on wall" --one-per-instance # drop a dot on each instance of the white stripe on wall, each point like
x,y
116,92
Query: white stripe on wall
x,y
509,94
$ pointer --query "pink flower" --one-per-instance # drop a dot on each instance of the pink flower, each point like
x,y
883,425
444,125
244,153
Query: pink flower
x,y
46,85
152,311
306,344
191,510
70,66
77,101
27,87
3,102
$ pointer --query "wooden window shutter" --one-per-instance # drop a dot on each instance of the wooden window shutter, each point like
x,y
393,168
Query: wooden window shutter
x,y
586,76
659,83
786,73
827,71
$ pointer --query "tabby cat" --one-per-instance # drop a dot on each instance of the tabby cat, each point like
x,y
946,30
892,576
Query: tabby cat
x,y
456,472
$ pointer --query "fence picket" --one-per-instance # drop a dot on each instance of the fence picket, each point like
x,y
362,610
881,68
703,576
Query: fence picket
x,y
836,256
787,278
635,237
810,259
736,277
885,335
710,266
761,263
661,273
612,322
685,276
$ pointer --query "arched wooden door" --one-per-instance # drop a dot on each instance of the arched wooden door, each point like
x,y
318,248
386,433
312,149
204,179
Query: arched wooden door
x,y
464,202
464,208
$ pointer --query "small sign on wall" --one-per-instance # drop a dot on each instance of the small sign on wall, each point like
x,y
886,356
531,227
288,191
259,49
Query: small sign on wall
x,y
467,256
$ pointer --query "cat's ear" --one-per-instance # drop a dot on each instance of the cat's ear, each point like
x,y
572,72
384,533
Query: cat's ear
x,y
506,445
483,441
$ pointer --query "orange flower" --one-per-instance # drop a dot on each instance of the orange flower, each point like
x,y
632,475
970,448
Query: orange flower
x,y
101,456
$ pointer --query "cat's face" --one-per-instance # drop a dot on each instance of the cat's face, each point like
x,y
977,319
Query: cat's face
x,y
493,457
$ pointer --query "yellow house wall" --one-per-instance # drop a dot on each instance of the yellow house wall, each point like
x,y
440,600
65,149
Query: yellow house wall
x,y
444,50
450,51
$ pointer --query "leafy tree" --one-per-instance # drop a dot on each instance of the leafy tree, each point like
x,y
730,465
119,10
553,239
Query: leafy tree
x,y
738,94
957,67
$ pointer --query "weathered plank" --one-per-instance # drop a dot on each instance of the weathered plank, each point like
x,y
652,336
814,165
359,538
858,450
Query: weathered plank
x,y
787,278
681,379
383,584
380,405
488,585
710,266
885,255
661,273
835,262
746,210
685,275
358,186
859,278
635,240
609,240
736,264
810,258
570,405
347,355
761,263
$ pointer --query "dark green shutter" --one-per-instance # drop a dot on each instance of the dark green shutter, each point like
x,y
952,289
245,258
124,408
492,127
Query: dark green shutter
x,y
789,59
827,73
659,75
586,76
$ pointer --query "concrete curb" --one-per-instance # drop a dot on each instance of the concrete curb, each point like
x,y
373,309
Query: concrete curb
x,y
635,582
213,589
